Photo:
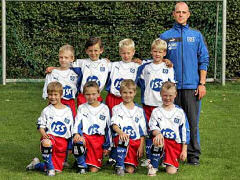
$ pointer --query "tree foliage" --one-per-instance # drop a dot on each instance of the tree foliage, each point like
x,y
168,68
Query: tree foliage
x,y
36,30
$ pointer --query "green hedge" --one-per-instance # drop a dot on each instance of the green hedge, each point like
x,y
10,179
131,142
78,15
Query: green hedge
x,y
36,30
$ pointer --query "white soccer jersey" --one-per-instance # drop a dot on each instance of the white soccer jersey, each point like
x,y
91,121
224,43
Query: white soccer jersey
x,y
92,71
92,120
121,70
132,122
172,124
57,122
150,78
68,79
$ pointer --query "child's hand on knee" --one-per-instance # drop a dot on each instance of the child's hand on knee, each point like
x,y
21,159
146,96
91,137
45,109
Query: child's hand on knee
x,y
77,138
158,140
123,136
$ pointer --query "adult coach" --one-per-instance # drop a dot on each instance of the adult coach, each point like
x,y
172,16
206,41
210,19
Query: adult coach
x,y
188,52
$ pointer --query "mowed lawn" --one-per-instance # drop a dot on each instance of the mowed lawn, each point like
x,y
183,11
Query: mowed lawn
x,y
21,105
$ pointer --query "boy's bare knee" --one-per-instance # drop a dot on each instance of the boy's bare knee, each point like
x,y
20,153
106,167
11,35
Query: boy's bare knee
x,y
130,169
171,170
93,169
46,143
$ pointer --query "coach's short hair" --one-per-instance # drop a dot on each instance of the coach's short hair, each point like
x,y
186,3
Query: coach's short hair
x,y
160,44
55,87
168,85
128,84
67,47
126,43
90,84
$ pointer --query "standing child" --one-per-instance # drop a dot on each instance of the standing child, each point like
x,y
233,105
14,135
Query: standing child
x,y
91,130
150,78
129,123
54,125
125,69
93,68
67,77
170,129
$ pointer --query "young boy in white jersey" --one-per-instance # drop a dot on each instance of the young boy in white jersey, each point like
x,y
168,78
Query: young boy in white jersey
x,y
67,77
120,70
129,124
150,77
91,130
170,130
54,125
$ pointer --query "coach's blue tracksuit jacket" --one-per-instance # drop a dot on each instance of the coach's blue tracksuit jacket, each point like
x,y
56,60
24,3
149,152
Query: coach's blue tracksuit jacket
x,y
188,52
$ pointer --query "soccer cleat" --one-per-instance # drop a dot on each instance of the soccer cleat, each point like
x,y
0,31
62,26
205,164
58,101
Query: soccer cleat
x,y
151,170
120,171
145,162
51,172
31,166
81,171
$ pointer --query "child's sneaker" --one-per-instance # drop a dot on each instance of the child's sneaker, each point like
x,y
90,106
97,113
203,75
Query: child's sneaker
x,y
145,162
31,166
120,171
151,170
51,172
81,171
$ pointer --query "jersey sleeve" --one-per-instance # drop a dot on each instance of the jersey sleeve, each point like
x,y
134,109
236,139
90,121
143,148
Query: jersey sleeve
x,y
153,123
203,55
184,130
77,127
108,136
48,79
172,77
42,120
143,125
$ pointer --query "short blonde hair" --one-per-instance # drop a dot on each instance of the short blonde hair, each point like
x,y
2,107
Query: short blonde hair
x,y
168,85
55,87
159,44
128,84
67,47
90,84
126,43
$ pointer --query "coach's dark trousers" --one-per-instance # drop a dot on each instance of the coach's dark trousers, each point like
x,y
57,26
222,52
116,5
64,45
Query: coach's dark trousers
x,y
191,105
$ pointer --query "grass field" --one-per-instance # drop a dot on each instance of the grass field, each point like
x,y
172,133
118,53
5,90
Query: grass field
x,y
21,105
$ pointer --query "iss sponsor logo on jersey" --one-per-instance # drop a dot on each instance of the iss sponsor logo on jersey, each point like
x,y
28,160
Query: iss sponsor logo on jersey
x,y
94,78
67,91
165,71
102,69
168,133
176,120
93,129
156,84
130,131
102,117
117,83
132,70
58,128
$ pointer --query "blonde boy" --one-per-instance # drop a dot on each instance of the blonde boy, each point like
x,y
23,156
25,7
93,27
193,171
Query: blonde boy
x,y
150,78
170,130
124,69
67,77
54,125
129,125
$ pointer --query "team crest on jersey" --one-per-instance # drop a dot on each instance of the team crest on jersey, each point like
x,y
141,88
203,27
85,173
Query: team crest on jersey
x,y
132,70
172,45
94,78
117,83
72,78
136,119
156,84
59,128
176,120
130,131
190,39
93,129
102,117
102,69
67,91
165,71
67,121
